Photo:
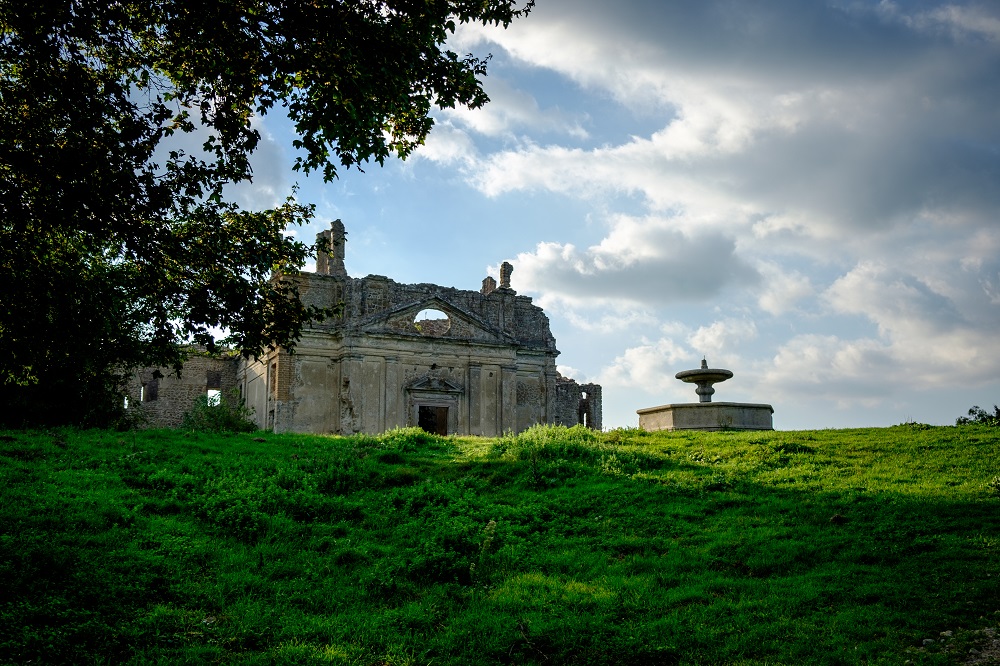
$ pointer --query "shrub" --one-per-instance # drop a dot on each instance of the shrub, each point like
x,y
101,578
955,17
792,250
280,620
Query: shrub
x,y
229,414
409,440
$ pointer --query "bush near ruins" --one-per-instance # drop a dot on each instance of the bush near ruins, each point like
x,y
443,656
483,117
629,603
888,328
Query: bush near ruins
x,y
226,412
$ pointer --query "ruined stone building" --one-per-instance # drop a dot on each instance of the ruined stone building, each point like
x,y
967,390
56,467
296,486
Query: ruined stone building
x,y
448,360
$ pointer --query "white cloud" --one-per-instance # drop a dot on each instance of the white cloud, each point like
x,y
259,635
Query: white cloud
x,y
722,337
805,190
571,373
782,289
269,186
447,144
641,261
778,111
969,20
649,366
511,110
825,368
925,341
928,337
620,319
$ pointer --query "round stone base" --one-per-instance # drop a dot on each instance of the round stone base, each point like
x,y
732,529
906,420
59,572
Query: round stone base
x,y
707,416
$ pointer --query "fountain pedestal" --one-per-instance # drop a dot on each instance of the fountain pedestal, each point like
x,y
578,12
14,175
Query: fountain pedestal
x,y
705,414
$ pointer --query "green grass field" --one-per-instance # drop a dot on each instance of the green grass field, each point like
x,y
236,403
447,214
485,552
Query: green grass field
x,y
558,546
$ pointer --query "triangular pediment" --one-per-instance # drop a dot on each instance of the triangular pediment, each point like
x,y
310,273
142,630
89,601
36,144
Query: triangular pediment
x,y
461,324
430,384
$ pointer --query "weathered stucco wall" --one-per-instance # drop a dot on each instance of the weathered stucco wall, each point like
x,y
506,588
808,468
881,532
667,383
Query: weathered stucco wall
x,y
350,381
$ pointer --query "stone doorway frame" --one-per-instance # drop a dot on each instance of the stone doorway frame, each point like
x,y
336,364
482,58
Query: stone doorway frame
x,y
434,393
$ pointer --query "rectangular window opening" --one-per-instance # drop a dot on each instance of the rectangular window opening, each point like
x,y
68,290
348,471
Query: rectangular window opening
x,y
149,391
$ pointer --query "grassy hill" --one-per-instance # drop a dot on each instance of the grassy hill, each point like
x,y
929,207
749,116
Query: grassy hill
x,y
558,546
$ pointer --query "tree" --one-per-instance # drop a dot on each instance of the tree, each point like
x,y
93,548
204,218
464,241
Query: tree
x,y
979,415
116,243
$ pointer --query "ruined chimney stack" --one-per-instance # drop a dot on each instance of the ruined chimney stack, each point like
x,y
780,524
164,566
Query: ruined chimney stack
x,y
331,262
505,270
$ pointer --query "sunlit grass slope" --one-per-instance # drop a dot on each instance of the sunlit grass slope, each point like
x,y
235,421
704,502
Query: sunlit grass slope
x,y
558,546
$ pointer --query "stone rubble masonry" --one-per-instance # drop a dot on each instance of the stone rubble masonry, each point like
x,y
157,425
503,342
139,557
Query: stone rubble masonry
x,y
485,368
578,403
161,398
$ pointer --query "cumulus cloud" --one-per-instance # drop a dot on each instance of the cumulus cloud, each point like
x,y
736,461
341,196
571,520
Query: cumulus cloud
x,y
650,366
620,319
893,300
270,185
269,164
925,340
511,110
641,261
722,336
825,368
447,144
958,21
782,288
928,337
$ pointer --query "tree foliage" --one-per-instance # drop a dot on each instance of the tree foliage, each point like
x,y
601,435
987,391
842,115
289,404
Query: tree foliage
x,y
979,415
122,125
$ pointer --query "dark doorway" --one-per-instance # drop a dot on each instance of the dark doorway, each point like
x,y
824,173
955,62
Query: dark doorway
x,y
433,419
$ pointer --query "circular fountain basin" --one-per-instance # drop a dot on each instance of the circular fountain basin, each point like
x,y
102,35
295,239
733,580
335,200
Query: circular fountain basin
x,y
711,375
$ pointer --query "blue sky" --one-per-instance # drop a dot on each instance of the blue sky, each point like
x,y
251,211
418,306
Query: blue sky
x,y
807,193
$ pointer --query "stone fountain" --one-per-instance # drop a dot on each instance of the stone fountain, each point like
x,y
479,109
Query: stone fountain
x,y
705,414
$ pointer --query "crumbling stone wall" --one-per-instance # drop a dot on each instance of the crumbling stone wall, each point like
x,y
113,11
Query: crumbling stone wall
x,y
160,398
366,298
578,404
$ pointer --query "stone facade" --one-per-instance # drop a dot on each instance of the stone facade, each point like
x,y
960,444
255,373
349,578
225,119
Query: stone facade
x,y
449,360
